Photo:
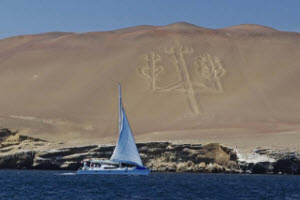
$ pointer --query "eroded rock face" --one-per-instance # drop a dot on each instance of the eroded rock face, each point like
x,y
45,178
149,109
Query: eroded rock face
x,y
190,158
272,162
289,164
19,160
22,152
158,156
18,151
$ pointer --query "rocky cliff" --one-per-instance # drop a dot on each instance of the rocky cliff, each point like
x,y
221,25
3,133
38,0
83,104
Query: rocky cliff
x,y
22,152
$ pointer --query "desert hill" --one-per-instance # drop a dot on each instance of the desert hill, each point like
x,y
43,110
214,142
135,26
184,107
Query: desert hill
x,y
182,83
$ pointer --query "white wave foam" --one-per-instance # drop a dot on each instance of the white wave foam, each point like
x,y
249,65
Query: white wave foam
x,y
67,174
254,157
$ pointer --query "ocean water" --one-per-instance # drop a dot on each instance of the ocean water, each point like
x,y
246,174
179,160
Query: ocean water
x,y
22,184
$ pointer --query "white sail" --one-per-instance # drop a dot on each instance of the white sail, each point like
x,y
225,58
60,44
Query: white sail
x,y
126,150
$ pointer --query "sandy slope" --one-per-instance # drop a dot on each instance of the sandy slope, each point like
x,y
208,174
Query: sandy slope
x,y
238,85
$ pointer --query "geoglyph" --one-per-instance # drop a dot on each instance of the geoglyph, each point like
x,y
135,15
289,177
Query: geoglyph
x,y
202,75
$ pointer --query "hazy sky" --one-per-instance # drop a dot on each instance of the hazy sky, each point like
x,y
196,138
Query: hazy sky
x,y
18,17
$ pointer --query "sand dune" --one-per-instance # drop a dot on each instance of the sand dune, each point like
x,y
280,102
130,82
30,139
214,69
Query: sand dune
x,y
237,85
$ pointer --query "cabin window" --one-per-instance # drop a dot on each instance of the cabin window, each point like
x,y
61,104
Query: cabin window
x,y
110,167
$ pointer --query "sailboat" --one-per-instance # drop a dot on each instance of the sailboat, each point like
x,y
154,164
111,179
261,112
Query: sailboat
x,y
125,159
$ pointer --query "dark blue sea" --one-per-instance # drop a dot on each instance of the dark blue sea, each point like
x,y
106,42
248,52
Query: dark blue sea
x,y
22,184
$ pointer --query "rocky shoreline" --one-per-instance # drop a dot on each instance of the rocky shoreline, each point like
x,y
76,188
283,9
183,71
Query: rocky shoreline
x,y
23,152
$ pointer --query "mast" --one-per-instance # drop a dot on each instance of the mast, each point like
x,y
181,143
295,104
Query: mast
x,y
125,150
120,109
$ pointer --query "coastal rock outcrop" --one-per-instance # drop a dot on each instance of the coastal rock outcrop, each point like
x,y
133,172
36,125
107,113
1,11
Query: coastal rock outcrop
x,y
189,157
289,164
264,161
22,152
19,152
158,156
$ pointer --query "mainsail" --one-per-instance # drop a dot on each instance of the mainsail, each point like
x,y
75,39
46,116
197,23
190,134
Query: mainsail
x,y
126,150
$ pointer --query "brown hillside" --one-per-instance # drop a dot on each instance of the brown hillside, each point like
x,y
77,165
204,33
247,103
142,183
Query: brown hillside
x,y
237,85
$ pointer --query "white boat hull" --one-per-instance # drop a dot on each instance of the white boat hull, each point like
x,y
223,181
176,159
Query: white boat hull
x,y
117,171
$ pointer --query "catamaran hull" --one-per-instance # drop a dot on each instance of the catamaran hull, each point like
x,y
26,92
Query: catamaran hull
x,y
135,172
